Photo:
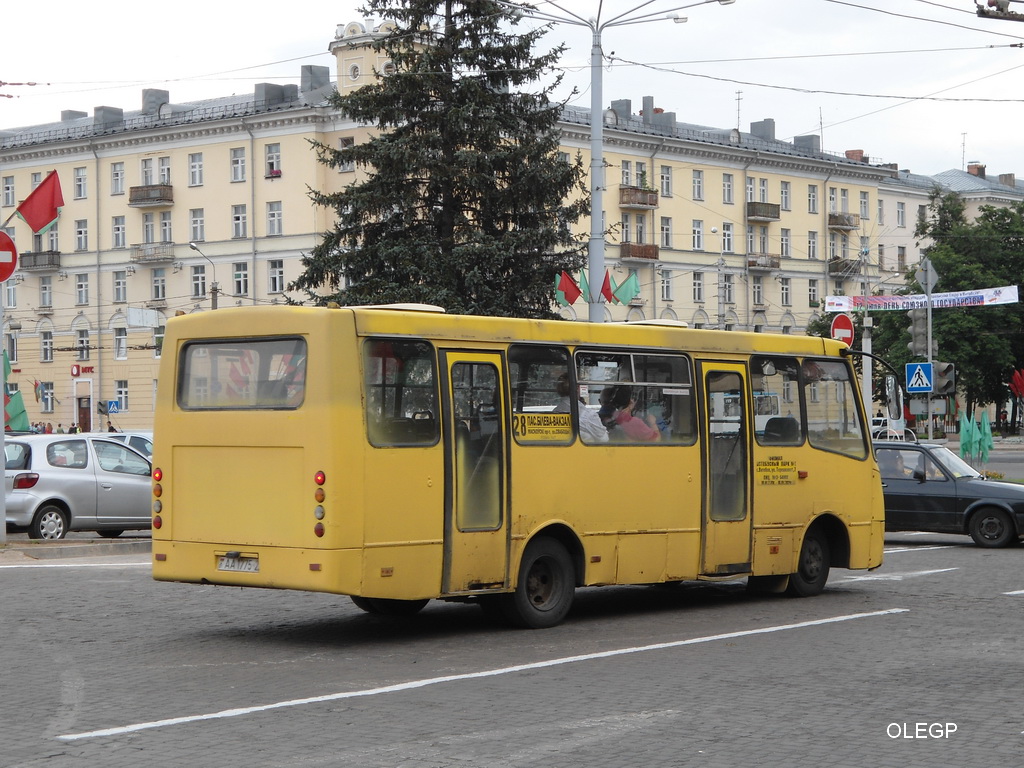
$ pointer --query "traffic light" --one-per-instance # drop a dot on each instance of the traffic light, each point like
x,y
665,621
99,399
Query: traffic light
x,y
918,345
944,379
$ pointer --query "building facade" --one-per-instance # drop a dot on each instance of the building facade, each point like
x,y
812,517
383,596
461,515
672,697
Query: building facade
x,y
187,207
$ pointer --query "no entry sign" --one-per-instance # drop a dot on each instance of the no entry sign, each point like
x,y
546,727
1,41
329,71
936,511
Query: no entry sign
x,y
842,328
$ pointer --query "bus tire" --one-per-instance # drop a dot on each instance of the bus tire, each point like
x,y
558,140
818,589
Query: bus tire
x,y
812,569
50,522
992,528
546,586
383,606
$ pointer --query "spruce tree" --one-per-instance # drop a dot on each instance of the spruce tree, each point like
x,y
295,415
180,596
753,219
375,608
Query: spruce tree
x,y
466,202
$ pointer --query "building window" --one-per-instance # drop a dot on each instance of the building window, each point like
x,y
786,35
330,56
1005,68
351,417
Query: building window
x,y
698,185
241,276
901,258
117,178
274,222
785,292
727,289
46,347
197,225
627,173
763,187
833,200
120,286
164,170
346,166
666,232
750,189
8,190
666,180
751,239
121,392
844,201
784,244
81,183
10,294
82,344
727,237
901,214
195,169
276,276
147,171
698,287
812,245
148,228
166,235
273,159
159,284
881,256
864,214
666,285
158,340
119,237
198,281
53,235
121,343
46,291
81,235
812,293
698,235
46,395
238,164
812,198
239,223
82,288
833,246
624,235
881,212
757,290
727,187
784,195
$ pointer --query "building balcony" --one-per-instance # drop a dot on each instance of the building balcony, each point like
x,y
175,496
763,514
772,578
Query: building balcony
x,y
39,261
146,252
150,195
636,197
156,304
763,211
845,221
844,267
762,262
644,251
44,309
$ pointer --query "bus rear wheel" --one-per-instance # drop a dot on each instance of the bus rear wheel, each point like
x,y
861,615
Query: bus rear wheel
x,y
812,570
545,589
383,606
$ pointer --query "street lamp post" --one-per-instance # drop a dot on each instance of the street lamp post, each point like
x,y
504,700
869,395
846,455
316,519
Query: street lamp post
x,y
595,246
214,287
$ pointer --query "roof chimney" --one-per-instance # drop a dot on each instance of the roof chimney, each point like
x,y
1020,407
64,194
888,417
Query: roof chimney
x,y
764,129
857,155
976,169
1008,179
107,117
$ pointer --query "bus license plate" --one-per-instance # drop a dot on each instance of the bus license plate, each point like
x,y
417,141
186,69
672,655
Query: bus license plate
x,y
243,564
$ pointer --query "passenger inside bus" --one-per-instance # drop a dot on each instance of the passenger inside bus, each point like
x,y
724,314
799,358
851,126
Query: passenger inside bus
x,y
591,428
642,430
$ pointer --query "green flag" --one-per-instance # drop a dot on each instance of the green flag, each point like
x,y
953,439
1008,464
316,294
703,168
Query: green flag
x,y
629,289
15,415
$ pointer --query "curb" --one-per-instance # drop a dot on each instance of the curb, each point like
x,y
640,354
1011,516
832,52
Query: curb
x,y
54,550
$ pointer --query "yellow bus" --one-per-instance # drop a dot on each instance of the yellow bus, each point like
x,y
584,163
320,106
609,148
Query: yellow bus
x,y
400,454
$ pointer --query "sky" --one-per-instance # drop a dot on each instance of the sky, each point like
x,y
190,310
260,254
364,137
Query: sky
x,y
924,84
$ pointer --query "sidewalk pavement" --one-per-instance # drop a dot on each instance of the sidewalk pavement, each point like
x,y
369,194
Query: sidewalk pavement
x,y
47,550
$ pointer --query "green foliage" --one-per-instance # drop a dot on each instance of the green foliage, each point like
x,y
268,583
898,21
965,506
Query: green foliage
x,y
465,201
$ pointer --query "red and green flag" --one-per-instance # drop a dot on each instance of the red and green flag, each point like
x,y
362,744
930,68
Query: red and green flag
x,y
42,207
15,415
566,290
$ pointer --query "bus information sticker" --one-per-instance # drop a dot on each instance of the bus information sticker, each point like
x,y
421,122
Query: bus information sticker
x,y
543,427
775,470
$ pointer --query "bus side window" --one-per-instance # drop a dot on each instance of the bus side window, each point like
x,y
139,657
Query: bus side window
x,y
400,390
774,382
541,389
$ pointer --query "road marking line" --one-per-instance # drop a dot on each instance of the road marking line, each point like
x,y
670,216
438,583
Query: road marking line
x,y
918,549
414,684
896,576
76,565
1018,592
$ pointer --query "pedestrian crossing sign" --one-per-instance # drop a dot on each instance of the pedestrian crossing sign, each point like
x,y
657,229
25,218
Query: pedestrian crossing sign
x,y
919,377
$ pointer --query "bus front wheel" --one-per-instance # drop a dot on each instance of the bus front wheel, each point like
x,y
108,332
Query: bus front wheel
x,y
383,606
812,570
546,586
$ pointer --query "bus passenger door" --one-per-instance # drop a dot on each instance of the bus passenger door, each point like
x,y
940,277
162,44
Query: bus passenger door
x,y
726,517
476,474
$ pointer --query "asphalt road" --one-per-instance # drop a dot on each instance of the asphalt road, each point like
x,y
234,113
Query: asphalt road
x,y
916,664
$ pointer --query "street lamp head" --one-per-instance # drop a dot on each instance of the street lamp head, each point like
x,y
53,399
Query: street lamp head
x,y
726,2
714,230
193,246
677,18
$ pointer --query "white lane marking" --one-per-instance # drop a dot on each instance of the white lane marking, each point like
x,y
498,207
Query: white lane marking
x,y
896,576
77,565
414,684
1018,592
918,549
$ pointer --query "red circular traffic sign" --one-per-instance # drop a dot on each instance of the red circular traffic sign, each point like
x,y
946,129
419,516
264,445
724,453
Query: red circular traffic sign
x,y
842,328
8,256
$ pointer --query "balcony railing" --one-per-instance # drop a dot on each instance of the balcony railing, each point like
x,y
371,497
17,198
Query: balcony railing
x,y
636,197
39,261
150,195
762,262
143,252
844,221
844,267
647,251
763,211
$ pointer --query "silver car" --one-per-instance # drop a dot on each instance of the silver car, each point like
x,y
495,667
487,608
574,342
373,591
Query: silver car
x,y
60,483
140,440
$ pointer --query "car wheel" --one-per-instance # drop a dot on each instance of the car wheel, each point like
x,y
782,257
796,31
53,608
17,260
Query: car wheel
x,y
992,528
812,570
109,534
545,589
50,522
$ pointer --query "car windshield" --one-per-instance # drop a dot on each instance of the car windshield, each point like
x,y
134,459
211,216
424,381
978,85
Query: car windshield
x,y
953,463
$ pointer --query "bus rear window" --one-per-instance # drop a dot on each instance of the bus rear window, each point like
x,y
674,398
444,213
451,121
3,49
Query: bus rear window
x,y
242,374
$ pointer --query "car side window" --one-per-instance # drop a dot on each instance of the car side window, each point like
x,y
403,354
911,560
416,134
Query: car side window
x,y
16,456
141,444
68,453
115,458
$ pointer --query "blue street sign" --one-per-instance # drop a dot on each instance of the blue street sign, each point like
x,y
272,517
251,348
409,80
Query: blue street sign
x,y
919,378
112,406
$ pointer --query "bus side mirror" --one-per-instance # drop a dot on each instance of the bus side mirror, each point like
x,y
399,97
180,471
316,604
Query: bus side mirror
x,y
893,398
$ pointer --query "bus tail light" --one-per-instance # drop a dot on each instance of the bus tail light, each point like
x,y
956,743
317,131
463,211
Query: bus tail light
x,y
158,474
25,480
